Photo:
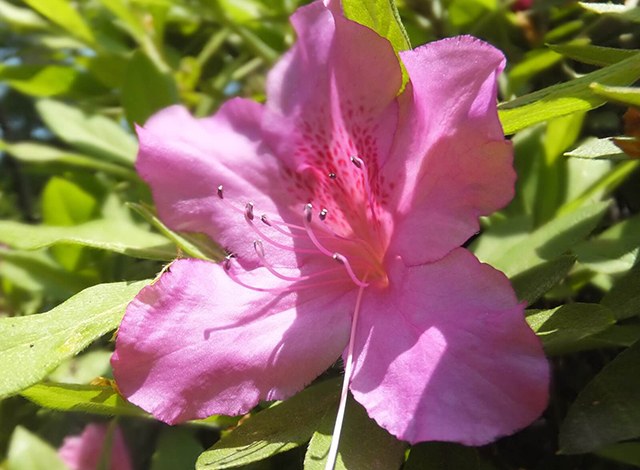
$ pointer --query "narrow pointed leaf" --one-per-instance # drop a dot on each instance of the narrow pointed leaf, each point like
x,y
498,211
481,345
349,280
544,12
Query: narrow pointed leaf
x,y
533,283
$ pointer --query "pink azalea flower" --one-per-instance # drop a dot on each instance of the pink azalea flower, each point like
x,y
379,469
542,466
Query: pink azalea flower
x,y
83,452
339,199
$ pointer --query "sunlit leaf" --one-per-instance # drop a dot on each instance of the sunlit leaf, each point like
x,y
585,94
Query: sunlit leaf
x,y
21,17
630,13
103,400
596,149
566,98
93,134
28,452
624,299
48,80
31,347
103,234
64,14
625,95
549,241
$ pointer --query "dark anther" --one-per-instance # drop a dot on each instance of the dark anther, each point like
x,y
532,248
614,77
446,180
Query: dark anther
x,y
220,194
357,162
323,214
332,176
307,211
248,210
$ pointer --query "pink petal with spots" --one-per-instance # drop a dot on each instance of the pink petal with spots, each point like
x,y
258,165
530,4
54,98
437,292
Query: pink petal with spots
x,y
83,452
184,160
196,343
445,354
331,97
450,162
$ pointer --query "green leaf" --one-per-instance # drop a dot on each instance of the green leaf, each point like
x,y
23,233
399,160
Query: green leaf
x,y
624,298
596,149
625,95
533,63
83,368
125,14
616,336
566,98
93,134
38,272
621,11
363,444
104,234
500,236
613,251
146,89
31,347
626,452
442,456
176,449
28,452
594,55
31,152
102,400
45,80
533,283
21,17
277,429
62,13
549,241
561,329
382,16
194,244
608,408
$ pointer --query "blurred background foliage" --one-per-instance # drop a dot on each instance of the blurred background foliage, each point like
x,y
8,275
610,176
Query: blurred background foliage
x,y
77,76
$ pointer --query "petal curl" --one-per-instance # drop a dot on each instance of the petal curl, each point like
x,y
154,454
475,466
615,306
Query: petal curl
x,y
450,162
83,452
445,354
196,344
184,160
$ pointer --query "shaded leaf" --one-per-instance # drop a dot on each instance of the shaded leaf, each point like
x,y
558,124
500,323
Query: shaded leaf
x,y
594,55
442,456
176,449
613,251
562,328
146,89
363,444
624,299
31,347
608,408
533,283
277,429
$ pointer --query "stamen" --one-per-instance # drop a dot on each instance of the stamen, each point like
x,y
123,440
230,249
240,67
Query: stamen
x,y
257,245
227,269
227,203
323,216
344,261
248,217
333,176
248,210
306,220
348,370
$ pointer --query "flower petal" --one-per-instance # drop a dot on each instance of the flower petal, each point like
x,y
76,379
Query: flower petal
x,y
196,344
84,452
184,160
331,97
450,162
445,354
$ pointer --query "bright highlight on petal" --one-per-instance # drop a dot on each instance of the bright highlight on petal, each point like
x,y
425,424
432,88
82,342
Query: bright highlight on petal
x,y
342,206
